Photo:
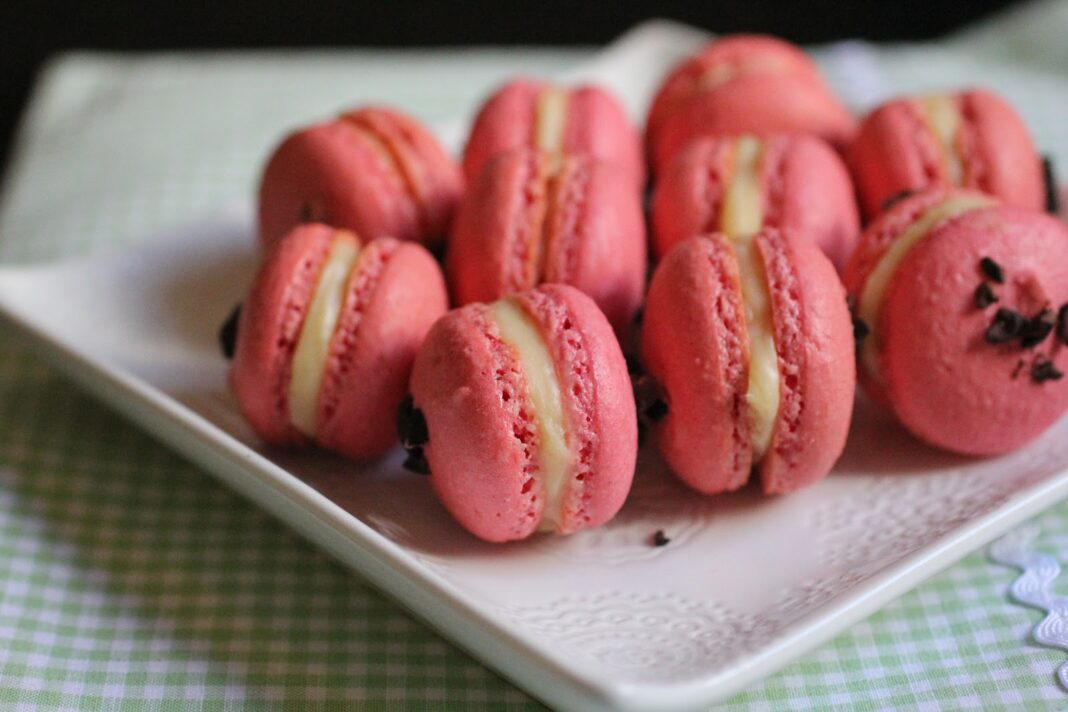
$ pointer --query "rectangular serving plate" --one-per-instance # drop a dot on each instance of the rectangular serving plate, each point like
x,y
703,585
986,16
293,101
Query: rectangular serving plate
x,y
598,620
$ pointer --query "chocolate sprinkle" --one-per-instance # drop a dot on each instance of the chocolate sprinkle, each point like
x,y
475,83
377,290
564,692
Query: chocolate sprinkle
x,y
1050,180
413,433
228,333
1062,324
992,270
1020,363
649,398
660,538
896,198
984,296
1037,328
1044,370
860,331
1006,326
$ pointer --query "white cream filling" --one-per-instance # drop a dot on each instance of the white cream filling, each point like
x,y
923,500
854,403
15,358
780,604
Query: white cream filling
x,y
943,121
743,205
874,290
762,393
519,331
550,119
742,217
313,345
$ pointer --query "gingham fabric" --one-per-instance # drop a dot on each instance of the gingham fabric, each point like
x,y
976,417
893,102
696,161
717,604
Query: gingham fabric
x,y
130,579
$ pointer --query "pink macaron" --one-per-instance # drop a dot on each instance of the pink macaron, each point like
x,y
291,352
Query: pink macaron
x,y
743,84
374,170
534,217
326,339
750,345
527,113
738,185
525,415
964,303
971,139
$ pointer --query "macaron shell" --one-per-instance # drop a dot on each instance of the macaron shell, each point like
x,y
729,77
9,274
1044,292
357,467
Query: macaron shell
x,y
694,343
603,422
1012,168
481,469
395,293
329,173
806,190
685,80
760,104
814,343
945,383
504,122
268,330
594,238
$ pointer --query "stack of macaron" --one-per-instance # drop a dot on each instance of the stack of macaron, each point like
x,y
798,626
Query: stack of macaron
x,y
741,354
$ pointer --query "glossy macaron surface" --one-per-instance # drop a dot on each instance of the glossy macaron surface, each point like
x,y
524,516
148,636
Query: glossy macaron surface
x,y
477,385
375,171
739,184
527,113
964,344
698,343
743,84
320,351
533,217
972,139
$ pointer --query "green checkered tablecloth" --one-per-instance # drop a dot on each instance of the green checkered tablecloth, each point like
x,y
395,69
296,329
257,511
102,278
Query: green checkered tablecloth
x,y
130,579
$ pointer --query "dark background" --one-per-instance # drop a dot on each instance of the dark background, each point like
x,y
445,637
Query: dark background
x,y
32,31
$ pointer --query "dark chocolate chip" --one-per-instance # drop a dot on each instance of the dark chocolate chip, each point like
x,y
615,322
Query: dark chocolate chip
x,y
992,270
860,331
984,296
228,333
660,538
1050,179
1006,326
1043,370
413,433
1037,328
896,198
649,398
1062,324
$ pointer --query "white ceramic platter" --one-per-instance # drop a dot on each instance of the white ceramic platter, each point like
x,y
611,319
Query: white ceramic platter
x,y
601,619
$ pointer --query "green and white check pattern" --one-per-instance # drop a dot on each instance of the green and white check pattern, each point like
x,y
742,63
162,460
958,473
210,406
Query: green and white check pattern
x,y
130,579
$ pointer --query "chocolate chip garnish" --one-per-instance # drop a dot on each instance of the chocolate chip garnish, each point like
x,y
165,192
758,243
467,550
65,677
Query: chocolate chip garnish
x,y
228,333
896,198
649,397
1062,324
1006,326
413,433
992,270
984,296
860,331
1043,370
1052,202
660,538
1037,328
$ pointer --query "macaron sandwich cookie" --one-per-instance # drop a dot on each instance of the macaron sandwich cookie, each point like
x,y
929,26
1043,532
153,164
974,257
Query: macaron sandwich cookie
x,y
737,185
971,139
750,343
524,415
375,171
326,339
743,84
527,113
962,303
534,217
